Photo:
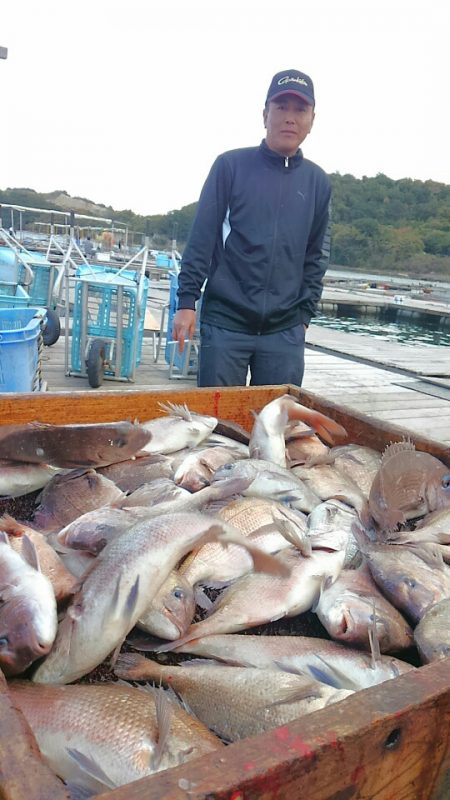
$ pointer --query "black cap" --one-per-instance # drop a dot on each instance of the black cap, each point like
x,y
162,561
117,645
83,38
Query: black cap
x,y
291,81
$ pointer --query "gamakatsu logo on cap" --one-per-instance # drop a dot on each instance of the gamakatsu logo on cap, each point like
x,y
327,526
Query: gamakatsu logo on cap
x,y
288,79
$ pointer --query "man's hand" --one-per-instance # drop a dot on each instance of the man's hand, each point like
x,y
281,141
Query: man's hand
x,y
183,326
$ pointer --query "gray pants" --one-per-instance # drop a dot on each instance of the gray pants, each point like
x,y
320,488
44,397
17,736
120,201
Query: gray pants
x,y
273,358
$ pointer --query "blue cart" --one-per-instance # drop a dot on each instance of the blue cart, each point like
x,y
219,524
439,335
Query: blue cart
x,y
108,322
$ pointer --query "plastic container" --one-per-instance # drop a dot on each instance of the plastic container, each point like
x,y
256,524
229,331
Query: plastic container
x,y
20,329
13,296
163,260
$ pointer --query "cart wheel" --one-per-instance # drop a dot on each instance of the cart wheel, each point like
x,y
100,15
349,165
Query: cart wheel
x,y
52,330
95,363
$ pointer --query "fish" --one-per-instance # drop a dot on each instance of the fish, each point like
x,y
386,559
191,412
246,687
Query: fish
x,y
17,479
352,606
358,462
330,525
160,490
122,583
197,469
99,737
346,667
129,475
28,618
261,478
432,634
181,428
72,446
171,610
262,521
412,578
50,564
327,483
257,599
236,702
68,496
408,484
92,531
232,430
303,446
267,440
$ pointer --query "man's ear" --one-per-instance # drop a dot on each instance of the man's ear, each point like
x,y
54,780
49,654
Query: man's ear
x,y
265,117
312,120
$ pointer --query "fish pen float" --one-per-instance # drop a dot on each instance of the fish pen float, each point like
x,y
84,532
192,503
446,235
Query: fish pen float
x,y
389,742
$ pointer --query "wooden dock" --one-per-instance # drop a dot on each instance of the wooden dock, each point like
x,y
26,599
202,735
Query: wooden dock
x,y
390,382
391,304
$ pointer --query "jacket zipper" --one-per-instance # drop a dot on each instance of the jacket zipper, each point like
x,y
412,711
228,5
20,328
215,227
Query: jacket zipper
x,y
286,165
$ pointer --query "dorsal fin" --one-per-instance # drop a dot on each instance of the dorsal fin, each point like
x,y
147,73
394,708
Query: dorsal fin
x,y
396,447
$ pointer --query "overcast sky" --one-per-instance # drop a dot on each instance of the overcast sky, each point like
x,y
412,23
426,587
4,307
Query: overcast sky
x,y
128,102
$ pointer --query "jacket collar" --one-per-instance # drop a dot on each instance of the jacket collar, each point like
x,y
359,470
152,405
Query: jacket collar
x,y
284,162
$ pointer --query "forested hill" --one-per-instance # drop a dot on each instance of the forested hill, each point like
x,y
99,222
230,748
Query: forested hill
x,y
378,223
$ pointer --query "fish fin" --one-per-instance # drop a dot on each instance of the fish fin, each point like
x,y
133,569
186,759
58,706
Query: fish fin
x,y
190,636
325,427
130,602
331,675
307,687
11,526
429,553
396,447
144,642
77,792
164,712
325,583
201,662
4,538
292,533
201,599
374,640
175,410
323,677
90,767
133,667
262,562
30,553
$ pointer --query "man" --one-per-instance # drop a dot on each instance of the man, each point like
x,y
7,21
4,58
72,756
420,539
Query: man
x,y
261,239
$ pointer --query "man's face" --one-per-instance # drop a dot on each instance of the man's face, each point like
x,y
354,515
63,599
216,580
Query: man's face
x,y
288,120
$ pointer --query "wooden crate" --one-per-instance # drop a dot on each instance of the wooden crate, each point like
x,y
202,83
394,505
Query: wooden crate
x,y
390,742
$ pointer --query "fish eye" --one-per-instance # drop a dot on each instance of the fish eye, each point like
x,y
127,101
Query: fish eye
x,y
178,593
410,582
4,641
119,442
446,482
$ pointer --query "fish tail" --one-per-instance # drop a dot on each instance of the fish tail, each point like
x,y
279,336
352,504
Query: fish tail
x,y
327,428
132,666
11,526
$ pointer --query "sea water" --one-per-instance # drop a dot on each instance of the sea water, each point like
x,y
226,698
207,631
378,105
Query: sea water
x,y
405,330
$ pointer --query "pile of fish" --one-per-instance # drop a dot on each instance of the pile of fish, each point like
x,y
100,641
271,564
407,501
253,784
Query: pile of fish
x,y
180,534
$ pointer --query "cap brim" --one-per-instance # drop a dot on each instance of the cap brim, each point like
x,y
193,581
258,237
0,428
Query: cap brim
x,y
292,91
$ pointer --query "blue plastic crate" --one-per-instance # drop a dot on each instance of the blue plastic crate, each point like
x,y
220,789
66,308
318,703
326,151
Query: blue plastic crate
x,y
163,260
101,313
13,296
19,349
42,282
